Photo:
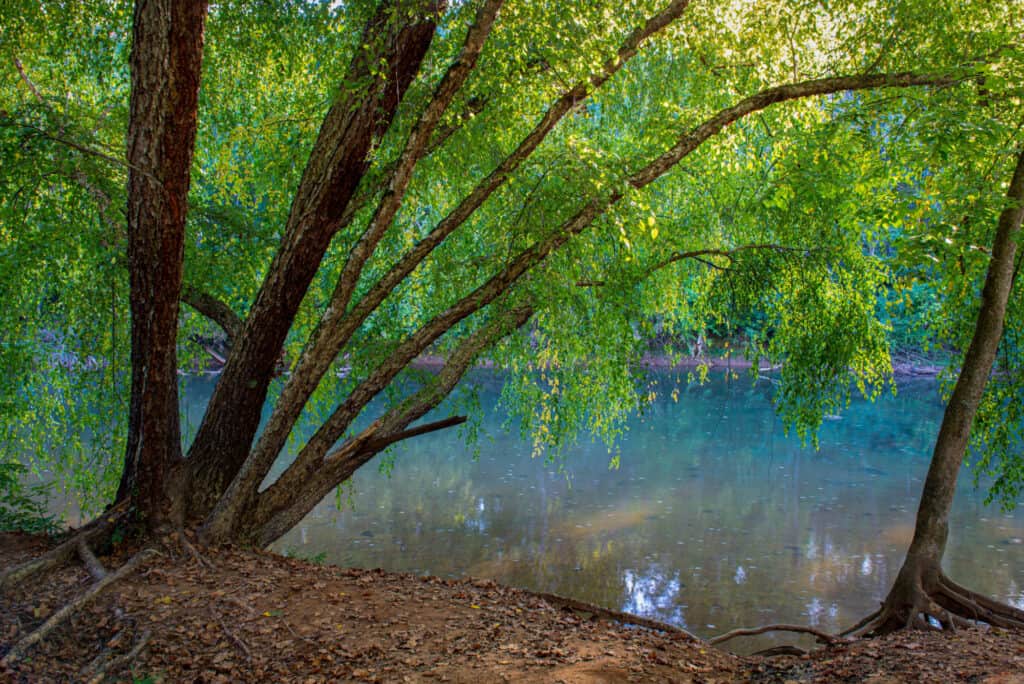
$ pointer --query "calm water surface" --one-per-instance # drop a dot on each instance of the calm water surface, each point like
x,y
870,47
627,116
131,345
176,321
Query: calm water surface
x,y
714,519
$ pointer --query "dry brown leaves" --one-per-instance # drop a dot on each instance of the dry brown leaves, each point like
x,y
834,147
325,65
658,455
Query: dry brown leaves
x,y
261,617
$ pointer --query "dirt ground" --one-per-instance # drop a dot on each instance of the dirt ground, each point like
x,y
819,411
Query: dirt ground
x,y
239,616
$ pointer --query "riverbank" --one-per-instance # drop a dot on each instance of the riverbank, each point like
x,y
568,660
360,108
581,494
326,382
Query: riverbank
x,y
230,616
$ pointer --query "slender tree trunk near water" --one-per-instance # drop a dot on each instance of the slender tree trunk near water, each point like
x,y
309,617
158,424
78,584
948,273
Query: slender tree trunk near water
x,y
166,63
921,588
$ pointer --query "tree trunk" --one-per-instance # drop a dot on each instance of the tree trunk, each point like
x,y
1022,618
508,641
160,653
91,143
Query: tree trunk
x,y
921,587
337,163
165,71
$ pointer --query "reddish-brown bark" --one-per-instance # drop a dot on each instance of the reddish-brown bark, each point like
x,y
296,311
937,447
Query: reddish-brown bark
x,y
166,64
337,163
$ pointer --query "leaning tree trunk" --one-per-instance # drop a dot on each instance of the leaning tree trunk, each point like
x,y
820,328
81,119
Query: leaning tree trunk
x,y
337,163
921,588
165,70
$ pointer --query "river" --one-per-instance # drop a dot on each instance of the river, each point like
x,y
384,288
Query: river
x,y
714,519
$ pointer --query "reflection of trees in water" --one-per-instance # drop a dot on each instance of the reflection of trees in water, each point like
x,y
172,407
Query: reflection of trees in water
x,y
714,518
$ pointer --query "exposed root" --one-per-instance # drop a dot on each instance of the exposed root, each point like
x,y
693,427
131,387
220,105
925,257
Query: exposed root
x,y
19,649
615,615
97,671
942,601
823,637
856,629
63,552
235,639
780,651
91,562
988,609
192,551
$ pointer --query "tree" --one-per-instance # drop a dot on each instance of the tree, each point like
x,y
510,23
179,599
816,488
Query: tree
x,y
459,186
921,589
392,116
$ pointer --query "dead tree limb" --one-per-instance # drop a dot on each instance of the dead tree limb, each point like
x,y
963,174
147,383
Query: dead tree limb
x,y
19,649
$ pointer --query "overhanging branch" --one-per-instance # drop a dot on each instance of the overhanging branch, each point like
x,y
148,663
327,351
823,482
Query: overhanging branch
x,y
214,309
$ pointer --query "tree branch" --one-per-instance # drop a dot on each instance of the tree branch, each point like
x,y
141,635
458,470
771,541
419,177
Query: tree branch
x,y
214,309
696,254
336,327
415,148
381,443
314,476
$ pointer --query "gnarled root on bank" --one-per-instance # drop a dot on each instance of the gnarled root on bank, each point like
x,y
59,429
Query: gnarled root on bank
x,y
96,531
19,649
922,599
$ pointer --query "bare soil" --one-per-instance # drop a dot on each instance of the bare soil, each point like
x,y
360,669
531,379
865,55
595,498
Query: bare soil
x,y
241,616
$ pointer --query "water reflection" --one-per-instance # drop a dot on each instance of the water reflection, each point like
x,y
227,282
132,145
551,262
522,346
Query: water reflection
x,y
715,519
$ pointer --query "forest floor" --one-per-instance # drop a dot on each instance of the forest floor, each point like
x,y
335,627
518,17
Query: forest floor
x,y
236,616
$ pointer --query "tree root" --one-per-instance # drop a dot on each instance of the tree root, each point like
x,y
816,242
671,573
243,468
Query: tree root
x,y
823,637
18,650
944,601
63,552
98,670
91,562
182,540
856,628
235,639
614,615
784,650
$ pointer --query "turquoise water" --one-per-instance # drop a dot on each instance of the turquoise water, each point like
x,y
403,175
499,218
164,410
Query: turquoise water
x,y
715,518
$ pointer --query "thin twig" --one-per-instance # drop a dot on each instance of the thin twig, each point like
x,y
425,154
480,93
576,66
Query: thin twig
x,y
235,639
28,82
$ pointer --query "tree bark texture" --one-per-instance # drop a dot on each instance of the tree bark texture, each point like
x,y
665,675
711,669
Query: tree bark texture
x,y
337,163
166,64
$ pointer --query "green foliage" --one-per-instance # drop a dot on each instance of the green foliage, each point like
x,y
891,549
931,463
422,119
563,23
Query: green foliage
x,y
21,507
831,228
